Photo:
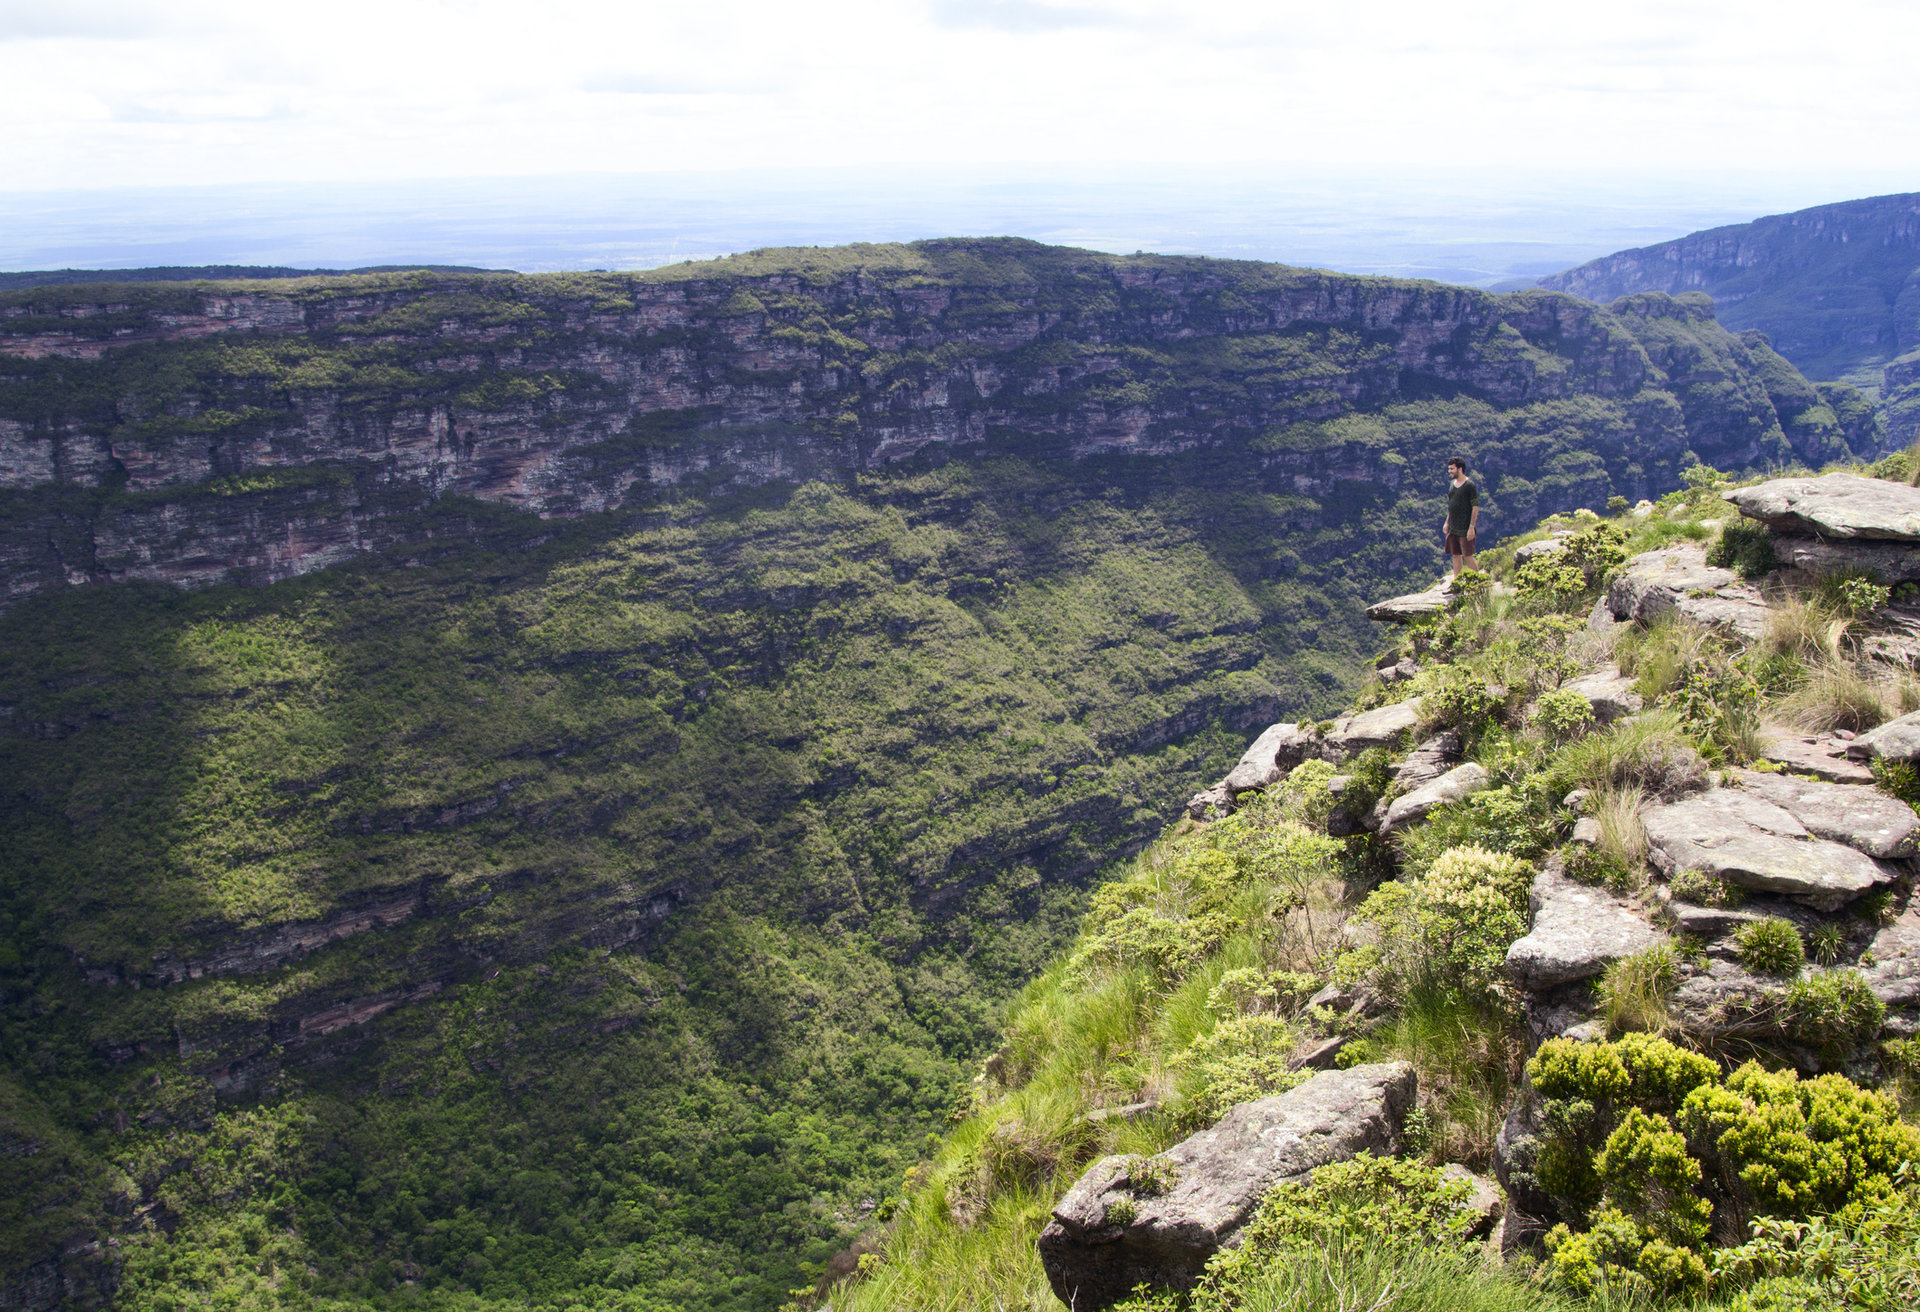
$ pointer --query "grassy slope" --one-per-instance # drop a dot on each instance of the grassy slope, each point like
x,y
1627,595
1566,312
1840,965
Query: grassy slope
x,y
874,737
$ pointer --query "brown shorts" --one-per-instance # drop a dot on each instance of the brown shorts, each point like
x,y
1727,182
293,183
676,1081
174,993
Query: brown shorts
x,y
1459,546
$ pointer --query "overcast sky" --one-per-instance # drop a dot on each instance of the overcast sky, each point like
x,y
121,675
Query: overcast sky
x,y
97,93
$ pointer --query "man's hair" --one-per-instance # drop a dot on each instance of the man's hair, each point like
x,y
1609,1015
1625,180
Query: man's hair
x,y
1461,461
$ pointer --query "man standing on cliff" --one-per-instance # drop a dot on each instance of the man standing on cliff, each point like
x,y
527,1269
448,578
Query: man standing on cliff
x,y
1462,524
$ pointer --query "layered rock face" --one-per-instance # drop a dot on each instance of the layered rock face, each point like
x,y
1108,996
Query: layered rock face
x,y
249,433
1782,275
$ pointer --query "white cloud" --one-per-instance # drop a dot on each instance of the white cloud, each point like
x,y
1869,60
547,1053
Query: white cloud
x,y
98,93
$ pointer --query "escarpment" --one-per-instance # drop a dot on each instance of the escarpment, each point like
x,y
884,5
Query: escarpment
x,y
250,433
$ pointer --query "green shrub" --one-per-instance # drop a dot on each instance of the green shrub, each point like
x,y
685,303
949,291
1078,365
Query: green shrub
x,y
1833,1010
1633,991
1591,865
1746,549
1549,580
1563,714
1453,697
1897,779
1818,1265
1825,943
1643,1141
1240,1059
1447,930
1618,505
1648,752
1382,1198
1706,889
1770,946
1596,551
1515,819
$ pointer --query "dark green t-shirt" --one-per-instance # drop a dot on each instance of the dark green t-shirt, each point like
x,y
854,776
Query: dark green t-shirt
x,y
1460,503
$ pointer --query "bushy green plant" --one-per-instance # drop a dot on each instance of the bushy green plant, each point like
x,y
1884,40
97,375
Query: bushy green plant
x,y
1896,779
1593,865
1384,1198
1618,505
1704,888
1515,819
1819,1265
1745,548
1447,930
1833,1010
1857,596
1644,1142
1596,551
1770,946
1563,714
1826,942
1549,580
1454,697
1240,1059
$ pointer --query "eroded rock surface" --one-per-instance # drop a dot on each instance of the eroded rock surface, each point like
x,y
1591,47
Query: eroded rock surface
x,y
1412,606
1896,740
1610,692
1678,579
1577,930
1865,819
1455,784
1382,727
1218,1177
1751,842
1834,506
1888,562
1428,762
1820,755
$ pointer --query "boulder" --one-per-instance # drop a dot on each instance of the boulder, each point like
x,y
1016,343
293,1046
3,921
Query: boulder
x,y
1577,930
1896,740
1218,1177
1833,506
1888,562
1894,976
1400,671
1820,755
1610,691
1449,787
1752,842
1278,748
1641,508
1319,1057
1586,832
1865,819
1382,727
1427,762
1215,801
1484,1203
1678,579
1552,546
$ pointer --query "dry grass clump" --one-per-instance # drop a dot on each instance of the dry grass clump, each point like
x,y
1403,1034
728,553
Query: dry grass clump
x,y
1634,991
1649,753
1805,629
1623,839
1837,694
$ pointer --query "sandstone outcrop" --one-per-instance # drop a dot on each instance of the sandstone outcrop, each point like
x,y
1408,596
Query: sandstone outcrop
x,y
1896,740
1412,606
1834,506
1865,819
1577,931
1459,782
1610,693
1821,755
1382,727
1751,842
1155,1221
1678,579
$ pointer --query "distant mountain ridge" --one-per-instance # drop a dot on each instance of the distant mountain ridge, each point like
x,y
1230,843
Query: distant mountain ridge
x,y
1836,288
207,273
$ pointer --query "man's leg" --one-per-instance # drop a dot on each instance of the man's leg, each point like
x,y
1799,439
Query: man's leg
x,y
1459,563
1473,561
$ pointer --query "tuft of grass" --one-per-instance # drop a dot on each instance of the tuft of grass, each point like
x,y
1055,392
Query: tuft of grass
x,y
1650,753
1836,695
1660,656
1634,991
1770,947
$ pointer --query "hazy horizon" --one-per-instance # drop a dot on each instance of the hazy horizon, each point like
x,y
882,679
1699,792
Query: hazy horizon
x,y
1480,227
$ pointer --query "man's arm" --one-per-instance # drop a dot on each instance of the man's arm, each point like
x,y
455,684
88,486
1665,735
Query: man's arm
x,y
1473,523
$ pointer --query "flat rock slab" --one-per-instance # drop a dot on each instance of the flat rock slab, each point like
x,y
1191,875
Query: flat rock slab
x,y
1455,784
1678,579
1552,546
1820,755
1383,727
1895,975
1219,1177
1413,605
1577,931
1896,740
1610,692
1865,819
1751,842
1833,506
1888,562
